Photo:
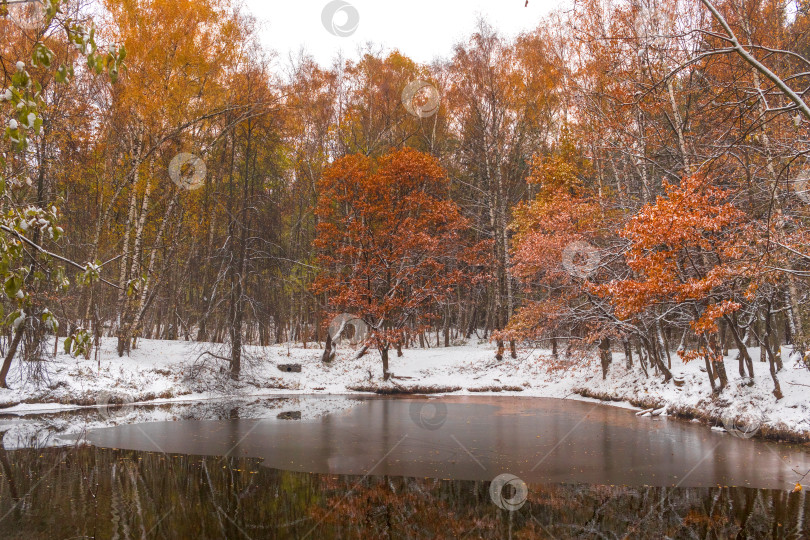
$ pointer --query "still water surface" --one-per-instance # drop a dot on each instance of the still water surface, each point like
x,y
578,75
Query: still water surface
x,y
405,468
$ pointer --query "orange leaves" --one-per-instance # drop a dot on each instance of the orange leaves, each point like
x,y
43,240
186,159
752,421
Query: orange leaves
x,y
707,323
183,76
390,241
544,227
684,249
554,172
560,216
688,356
689,214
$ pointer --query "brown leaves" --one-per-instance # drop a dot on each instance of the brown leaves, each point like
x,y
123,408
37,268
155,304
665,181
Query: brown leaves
x,y
683,249
390,242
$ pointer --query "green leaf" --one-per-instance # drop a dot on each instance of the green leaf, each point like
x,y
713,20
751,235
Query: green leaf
x,y
42,55
12,286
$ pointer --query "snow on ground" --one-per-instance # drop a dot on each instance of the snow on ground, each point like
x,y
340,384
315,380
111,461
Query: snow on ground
x,y
184,374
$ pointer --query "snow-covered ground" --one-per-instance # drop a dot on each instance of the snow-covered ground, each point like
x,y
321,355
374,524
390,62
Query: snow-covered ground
x,y
177,372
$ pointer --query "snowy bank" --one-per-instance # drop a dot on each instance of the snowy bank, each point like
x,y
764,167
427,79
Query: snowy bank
x,y
177,371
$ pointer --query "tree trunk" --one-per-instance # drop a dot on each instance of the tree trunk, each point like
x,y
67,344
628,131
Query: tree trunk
x,y
628,354
327,351
123,276
777,389
12,350
471,325
795,317
718,360
605,356
641,362
772,362
384,355
663,343
659,362
745,358
710,372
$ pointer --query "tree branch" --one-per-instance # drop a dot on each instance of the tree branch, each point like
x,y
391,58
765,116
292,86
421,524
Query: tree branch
x,y
759,66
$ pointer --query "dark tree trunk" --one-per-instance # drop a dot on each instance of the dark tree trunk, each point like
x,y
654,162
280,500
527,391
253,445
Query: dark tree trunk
x,y
605,356
12,350
772,339
384,355
659,362
764,343
640,353
719,364
744,357
628,354
663,343
471,325
777,389
327,351
741,364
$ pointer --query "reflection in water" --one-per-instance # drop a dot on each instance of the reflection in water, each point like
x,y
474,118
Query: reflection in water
x,y
477,438
308,467
60,428
88,492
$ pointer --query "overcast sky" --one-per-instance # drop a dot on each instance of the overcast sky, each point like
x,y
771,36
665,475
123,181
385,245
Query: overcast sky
x,y
421,29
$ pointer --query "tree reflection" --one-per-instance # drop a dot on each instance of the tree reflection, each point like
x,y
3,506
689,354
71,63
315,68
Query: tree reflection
x,y
98,493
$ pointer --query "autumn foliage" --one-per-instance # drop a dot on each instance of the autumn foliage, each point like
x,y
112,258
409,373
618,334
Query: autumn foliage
x,y
684,249
626,139
687,253
391,242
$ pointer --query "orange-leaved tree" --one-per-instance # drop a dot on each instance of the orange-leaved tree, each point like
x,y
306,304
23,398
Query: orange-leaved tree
x,y
564,240
390,242
689,252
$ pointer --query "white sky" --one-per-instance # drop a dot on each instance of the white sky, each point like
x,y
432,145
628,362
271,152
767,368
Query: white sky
x,y
420,29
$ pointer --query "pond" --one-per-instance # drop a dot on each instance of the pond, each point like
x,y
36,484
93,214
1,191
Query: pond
x,y
451,467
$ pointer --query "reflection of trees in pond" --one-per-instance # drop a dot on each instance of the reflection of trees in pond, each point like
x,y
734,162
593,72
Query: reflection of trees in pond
x,y
55,428
387,507
90,492
411,508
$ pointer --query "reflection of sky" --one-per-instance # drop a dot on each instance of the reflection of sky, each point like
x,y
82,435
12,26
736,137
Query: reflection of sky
x,y
421,29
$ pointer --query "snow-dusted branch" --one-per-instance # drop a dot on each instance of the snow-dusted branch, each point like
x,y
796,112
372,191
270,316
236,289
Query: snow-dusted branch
x,y
759,66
